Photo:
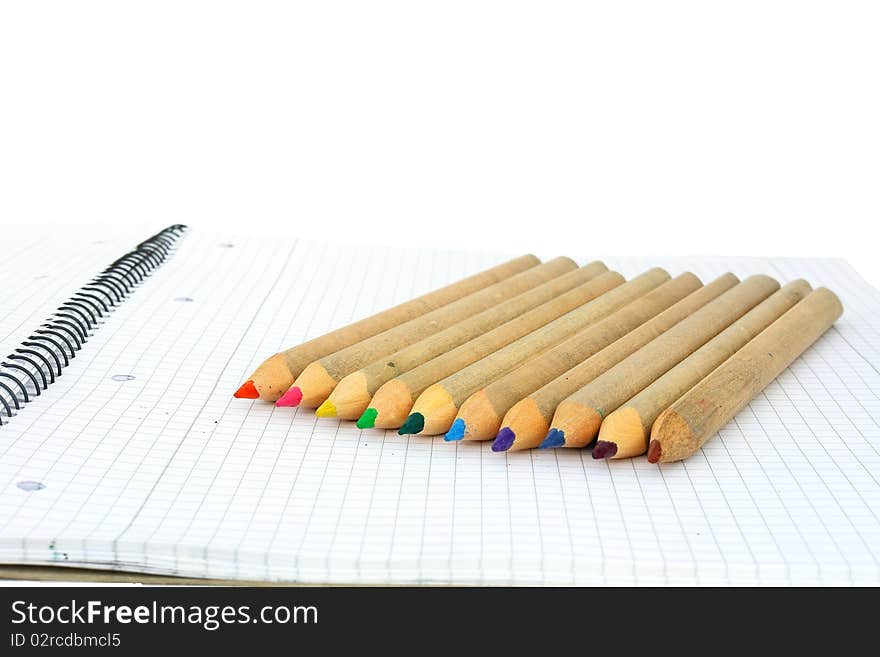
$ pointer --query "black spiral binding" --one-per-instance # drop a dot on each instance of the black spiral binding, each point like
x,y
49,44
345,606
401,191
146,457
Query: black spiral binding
x,y
36,364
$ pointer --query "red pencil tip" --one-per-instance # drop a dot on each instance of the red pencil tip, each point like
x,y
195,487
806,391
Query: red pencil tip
x,y
655,451
247,391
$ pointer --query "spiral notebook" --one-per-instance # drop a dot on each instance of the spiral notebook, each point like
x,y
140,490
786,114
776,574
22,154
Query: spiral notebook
x,y
134,455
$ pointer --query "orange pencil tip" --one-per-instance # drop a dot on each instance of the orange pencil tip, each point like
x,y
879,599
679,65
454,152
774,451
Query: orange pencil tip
x,y
247,391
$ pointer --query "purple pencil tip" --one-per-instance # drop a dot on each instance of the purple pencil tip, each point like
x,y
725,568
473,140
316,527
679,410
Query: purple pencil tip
x,y
504,440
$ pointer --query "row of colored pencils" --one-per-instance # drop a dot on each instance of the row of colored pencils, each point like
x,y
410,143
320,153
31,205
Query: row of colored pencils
x,y
532,354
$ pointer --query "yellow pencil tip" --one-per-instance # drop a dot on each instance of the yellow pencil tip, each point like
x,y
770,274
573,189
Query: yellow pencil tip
x,y
327,409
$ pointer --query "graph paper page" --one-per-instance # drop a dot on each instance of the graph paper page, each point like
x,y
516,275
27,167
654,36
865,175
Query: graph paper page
x,y
165,472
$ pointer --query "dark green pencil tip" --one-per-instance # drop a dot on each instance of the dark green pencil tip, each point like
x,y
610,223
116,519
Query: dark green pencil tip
x,y
413,424
368,419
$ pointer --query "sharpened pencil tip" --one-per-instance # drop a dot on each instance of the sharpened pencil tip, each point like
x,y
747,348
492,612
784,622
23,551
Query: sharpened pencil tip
x,y
456,431
247,391
327,409
604,449
290,398
555,438
413,424
367,419
503,440
655,451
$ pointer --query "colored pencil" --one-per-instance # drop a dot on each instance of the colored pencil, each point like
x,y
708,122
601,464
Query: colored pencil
x,y
690,421
350,398
624,433
436,408
318,379
526,423
480,416
577,419
276,374
393,401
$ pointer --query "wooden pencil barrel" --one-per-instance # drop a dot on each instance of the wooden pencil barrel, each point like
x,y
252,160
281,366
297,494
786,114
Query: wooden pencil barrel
x,y
462,384
412,383
351,396
580,416
530,417
688,423
275,375
625,431
492,402
318,379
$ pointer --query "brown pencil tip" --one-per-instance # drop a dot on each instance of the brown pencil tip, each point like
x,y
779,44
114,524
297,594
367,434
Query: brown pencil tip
x,y
247,391
655,451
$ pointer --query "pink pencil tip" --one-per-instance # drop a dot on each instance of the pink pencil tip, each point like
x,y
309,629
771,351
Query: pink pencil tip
x,y
290,398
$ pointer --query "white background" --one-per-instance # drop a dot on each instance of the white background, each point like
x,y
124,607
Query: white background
x,y
620,127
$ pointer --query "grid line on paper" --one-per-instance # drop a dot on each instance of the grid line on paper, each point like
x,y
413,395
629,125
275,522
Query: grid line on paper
x,y
213,388
425,507
171,415
736,521
855,350
652,523
311,513
854,291
808,498
691,554
827,487
337,307
274,535
564,498
534,491
849,420
757,506
451,553
244,333
63,273
281,345
396,518
213,535
10,257
345,494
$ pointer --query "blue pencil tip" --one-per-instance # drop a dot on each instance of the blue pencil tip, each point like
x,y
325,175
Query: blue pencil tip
x,y
456,431
503,440
555,438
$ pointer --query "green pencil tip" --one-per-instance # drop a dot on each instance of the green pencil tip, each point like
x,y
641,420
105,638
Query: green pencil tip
x,y
413,424
368,419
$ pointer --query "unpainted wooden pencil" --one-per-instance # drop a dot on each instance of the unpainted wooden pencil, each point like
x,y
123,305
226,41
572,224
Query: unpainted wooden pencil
x,y
526,423
436,408
577,419
318,379
696,416
624,433
277,373
352,395
480,416
393,401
